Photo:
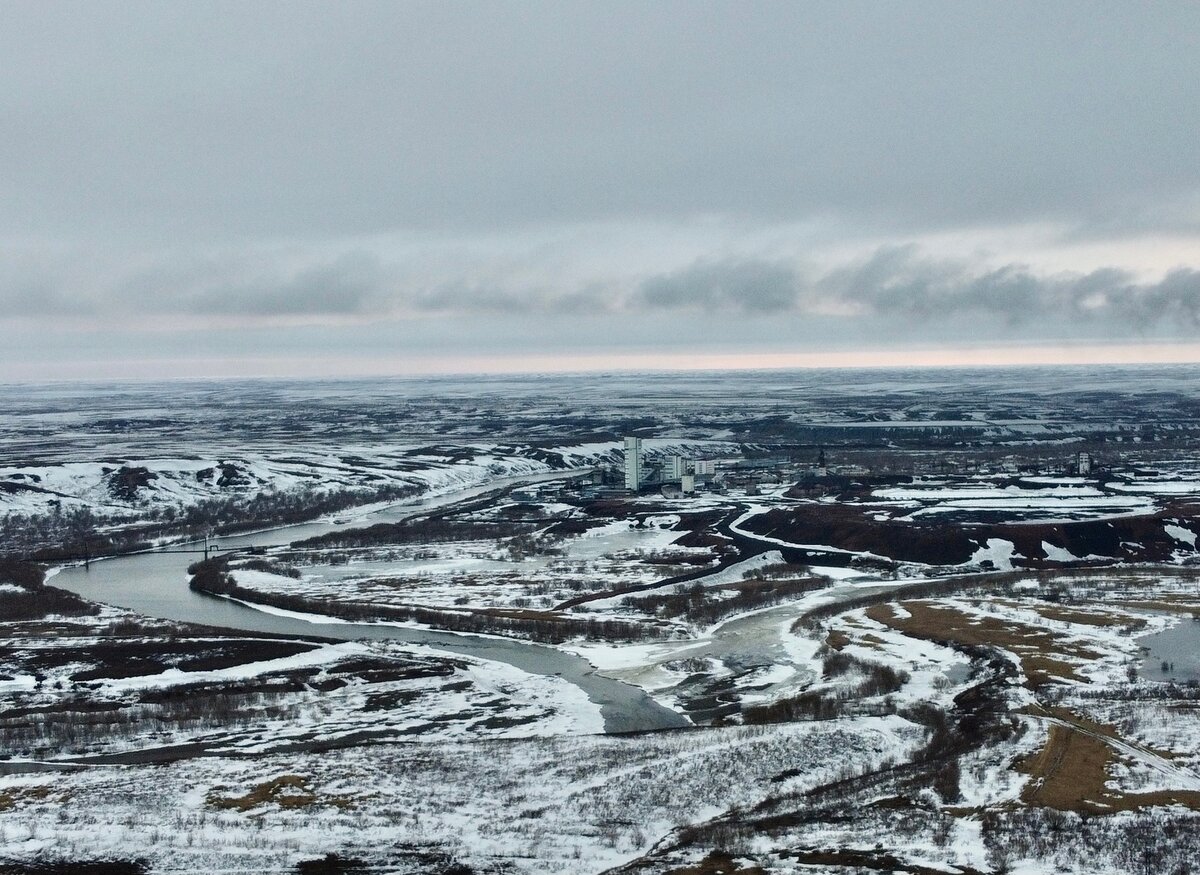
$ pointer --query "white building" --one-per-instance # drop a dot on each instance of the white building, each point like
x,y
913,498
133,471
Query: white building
x,y
633,463
687,484
674,469
705,467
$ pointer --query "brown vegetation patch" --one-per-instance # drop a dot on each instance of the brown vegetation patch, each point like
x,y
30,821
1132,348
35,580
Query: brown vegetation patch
x,y
854,528
1044,656
101,658
611,508
432,530
874,642
574,526
1090,726
1087,618
701,530
698,604
43,866
1043,670
28,598
719,543
718,863
1070,772
678,558
286,791
18,796
1175,605
856,860
1083,615
837,639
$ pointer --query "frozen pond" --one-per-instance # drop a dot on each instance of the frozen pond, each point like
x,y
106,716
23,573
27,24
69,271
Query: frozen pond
x,y
1174,653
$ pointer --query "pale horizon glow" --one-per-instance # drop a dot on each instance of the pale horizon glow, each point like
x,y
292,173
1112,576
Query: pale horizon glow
x,y
1008,356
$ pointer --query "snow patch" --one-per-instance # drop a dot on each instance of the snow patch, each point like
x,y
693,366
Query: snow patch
x,y
1179,533
998,551
1058,554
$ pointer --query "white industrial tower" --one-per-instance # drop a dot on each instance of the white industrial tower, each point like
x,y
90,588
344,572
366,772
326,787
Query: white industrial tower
x,y
633,463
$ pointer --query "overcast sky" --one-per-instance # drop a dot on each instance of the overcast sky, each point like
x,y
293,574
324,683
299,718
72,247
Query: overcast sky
x,y
338,188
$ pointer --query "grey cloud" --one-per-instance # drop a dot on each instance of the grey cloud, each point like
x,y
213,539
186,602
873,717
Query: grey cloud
x,y
753,286
32,288
365,305
473,296
896,281
1174,300
351,284
256,285
899,283
37,298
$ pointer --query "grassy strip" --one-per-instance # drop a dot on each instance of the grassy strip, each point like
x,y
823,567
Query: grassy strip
x,y
1071,771
1045,657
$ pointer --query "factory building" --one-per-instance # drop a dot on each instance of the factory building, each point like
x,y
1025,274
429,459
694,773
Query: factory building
x,y
663,470
633,463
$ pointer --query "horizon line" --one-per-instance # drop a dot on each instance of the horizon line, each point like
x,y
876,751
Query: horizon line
x,y
364,368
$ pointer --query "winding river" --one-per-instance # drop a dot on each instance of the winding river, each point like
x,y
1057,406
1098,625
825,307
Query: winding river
x,y
155,583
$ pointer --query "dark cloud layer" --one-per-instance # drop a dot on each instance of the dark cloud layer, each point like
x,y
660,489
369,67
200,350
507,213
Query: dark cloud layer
x,y
899,283
896,282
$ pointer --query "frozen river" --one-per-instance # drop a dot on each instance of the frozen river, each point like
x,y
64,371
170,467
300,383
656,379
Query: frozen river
x,y
155,583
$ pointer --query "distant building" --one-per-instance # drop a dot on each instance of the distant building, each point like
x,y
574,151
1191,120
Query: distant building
x,y
704,467
633,463
674,469
687,484
1083,463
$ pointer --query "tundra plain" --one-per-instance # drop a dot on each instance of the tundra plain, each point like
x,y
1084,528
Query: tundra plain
x,y
918,622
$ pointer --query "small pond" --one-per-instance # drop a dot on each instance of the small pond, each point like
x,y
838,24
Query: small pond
x,y
1174,653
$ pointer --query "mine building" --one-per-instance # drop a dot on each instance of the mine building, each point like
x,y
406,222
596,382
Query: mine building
x,y
633,463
